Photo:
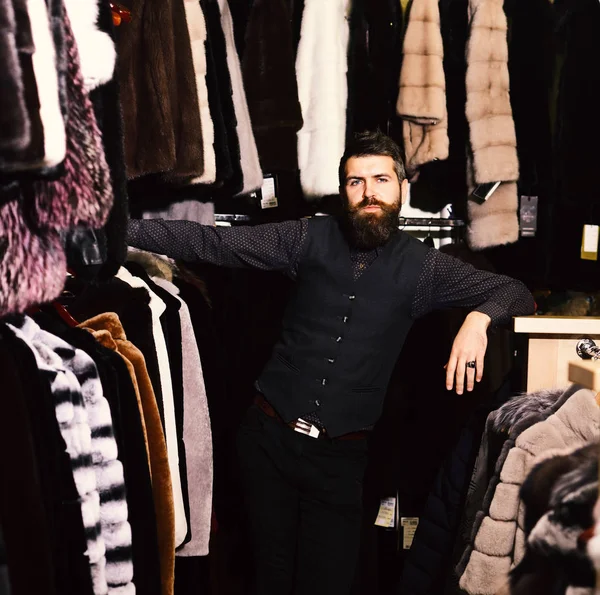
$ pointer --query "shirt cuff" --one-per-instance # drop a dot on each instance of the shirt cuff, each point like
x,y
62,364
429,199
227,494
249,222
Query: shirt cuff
x,y
496,312
133,232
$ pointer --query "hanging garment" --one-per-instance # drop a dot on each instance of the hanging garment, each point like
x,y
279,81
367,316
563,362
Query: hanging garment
x,y
321,66
559,496
162,488
271,87
97,52
115,528
197,29
46,146
197,434
63,522
33,266
186,210
251,170
83,195
158,308
499,541
493,142
158,92
422,96
15,125
75,430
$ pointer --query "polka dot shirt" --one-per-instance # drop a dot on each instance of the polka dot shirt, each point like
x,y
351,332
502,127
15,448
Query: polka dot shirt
x,y
444,281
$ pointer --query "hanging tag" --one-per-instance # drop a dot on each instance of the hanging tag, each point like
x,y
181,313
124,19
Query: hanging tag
x,y
409,528
269,193
589,242
387,513
528,213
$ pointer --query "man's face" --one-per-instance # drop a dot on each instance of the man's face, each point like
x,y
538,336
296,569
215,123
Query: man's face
x,y
371,185
373,198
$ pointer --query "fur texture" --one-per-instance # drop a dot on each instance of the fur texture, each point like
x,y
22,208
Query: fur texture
x,y
321,66
197,29
251,170
14,119
83,195
75,431
33,266
493,154
47,143
422,96
271,87
97,52
108,329
158,307
110,483
497,535
158,92
187,210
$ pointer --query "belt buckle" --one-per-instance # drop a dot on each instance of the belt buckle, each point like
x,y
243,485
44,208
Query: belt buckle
x,y
304,427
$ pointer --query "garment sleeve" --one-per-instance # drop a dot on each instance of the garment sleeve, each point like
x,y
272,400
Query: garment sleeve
x,y
273,246
446,281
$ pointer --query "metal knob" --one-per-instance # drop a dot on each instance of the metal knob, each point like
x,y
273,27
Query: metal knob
x,y
587,349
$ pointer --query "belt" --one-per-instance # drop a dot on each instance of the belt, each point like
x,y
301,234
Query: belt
x,y
303,427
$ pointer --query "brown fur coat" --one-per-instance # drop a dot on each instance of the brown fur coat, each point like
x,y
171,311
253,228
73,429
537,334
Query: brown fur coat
x,y
493,155
422,97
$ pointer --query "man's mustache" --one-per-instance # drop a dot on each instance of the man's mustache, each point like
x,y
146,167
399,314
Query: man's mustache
x,y
370,202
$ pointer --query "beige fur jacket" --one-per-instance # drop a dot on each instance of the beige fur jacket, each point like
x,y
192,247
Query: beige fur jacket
x,y
500,541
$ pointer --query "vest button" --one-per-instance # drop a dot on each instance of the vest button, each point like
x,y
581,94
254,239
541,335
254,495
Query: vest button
x,y
331,360
317,403
345,319
338,340
351,297
324,383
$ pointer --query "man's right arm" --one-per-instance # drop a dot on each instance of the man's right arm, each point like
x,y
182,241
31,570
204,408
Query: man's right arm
x,y
273,246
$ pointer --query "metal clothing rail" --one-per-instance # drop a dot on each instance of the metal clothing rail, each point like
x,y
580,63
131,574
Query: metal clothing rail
x,y
587,349
402,222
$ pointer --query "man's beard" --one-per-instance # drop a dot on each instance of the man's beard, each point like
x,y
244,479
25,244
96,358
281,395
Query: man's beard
x,y
367,231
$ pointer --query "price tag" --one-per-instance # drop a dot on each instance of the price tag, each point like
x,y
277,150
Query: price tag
x,y
589,242
269,193
387,513
409,528
528,213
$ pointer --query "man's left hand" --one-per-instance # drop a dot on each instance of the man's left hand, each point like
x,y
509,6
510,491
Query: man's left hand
x,y
469,346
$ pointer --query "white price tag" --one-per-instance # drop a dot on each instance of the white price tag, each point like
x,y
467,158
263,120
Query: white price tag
x,y
589,242
269,197
387,513
409,528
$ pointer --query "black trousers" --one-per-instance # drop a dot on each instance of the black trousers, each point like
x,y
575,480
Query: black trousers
x,y
304,503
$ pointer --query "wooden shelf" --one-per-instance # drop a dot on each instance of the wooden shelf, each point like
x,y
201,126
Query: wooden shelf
x,y
586,373
557,325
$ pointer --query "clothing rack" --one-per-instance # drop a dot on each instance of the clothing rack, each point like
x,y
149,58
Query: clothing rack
x,y
437,222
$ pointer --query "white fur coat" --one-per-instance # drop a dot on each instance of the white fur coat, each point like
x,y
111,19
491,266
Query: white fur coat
x,y
321,66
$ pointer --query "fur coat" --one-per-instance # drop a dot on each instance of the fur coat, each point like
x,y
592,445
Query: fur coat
x,y
82,196
499,540
46,145
559,496
158,91
271,87
493,143
197,29
422,97
107,328
15,131
75,430
321,66
251,171
97,52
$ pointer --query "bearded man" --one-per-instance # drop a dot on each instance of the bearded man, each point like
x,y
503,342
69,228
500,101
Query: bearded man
x,y
360,283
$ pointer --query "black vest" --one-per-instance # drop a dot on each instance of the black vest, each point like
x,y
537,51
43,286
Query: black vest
x,y
341,338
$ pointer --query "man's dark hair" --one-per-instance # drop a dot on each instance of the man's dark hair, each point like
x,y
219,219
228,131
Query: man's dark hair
x,y
365,144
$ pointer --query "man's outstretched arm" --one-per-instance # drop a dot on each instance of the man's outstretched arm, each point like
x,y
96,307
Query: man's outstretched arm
x,y
273,246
